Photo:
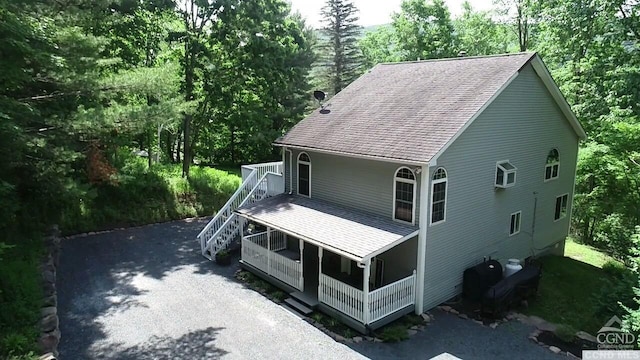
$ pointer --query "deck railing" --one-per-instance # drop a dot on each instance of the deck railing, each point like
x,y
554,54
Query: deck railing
x,y
341,296
391,298
282,268
382,302
274,167
278,241
258,183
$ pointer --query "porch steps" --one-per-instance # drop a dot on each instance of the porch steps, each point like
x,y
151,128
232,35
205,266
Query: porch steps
x,y
293,303
307,299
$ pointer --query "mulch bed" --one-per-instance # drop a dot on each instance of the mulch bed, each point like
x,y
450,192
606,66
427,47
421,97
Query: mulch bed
x,y
575,347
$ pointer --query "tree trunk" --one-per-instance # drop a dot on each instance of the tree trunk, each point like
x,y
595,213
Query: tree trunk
x,y
186,158
178,147
232,147
169,147
149,149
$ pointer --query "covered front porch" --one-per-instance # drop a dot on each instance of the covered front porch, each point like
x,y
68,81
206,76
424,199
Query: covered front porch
x,y
356,266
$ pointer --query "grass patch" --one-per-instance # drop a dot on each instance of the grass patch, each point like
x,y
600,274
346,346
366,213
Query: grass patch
x,y
577,292
334,325
20,296
585,253
394,333
261,286
398,330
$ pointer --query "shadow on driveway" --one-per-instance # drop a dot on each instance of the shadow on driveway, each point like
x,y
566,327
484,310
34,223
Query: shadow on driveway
x,y
97,276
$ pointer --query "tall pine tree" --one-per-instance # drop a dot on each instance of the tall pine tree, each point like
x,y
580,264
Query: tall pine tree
x,y
340,55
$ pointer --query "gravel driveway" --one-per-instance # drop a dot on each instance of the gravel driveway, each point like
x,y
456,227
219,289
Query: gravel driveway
x,y
146,293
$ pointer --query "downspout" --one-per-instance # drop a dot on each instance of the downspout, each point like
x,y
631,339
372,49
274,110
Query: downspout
x,y
290,168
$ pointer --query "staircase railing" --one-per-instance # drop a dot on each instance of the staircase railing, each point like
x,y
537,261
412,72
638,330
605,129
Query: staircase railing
x,y
225,225
227,210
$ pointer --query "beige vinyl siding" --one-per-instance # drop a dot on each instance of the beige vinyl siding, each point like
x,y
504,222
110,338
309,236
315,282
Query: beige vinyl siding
x,y
522,125
358,183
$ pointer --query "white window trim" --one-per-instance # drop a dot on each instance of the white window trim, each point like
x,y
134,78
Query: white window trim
x,y
551,166
506,172
554,208
298,173
415,187
519,218
446,195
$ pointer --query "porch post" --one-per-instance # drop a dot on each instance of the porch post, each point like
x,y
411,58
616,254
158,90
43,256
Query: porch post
x,y
365,291
268,250
319,272
301,265
242,221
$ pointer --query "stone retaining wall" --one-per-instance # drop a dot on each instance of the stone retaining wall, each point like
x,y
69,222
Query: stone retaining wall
x,y
49,321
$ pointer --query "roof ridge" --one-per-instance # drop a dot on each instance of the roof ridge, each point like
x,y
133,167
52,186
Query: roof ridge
x,y
531,53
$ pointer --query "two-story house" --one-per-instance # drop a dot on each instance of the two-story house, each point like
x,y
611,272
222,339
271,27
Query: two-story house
x,y
413,173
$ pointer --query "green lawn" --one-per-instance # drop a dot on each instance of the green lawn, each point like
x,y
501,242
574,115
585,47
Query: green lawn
x,y
585,253
569,288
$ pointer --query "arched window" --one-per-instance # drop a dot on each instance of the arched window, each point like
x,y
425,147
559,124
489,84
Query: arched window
x,y
304,174
438,195
552,168
404,195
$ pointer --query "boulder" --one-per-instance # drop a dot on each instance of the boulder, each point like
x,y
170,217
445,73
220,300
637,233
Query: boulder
x,y
586,336
49,323
48,310
554,349
49,341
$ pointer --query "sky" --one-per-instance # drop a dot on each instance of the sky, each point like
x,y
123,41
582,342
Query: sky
x,y
375,12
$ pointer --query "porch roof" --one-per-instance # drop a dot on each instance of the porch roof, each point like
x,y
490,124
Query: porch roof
x,y
348,232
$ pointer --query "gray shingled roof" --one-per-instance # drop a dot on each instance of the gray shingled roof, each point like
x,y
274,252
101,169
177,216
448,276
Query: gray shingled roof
x,y
406,111
328,225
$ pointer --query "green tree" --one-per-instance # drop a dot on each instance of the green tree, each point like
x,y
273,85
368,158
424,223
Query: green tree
x,y
340,56
256,85
424,30
479,34
197,17
379,46
523,17
592,50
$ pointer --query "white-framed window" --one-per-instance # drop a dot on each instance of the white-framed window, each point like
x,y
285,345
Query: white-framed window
x,y
561,207
304,174
404,195
438,196
505,174
552,168
514,223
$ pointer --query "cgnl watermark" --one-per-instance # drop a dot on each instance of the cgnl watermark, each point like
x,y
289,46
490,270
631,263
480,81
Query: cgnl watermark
x,y
612,337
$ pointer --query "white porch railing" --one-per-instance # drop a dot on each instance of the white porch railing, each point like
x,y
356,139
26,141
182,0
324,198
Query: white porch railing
x,y
274,167
391,298
282,268
278,241
341,296
382,302
225,225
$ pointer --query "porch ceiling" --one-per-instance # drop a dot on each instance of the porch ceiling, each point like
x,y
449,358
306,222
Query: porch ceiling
x,y
349,232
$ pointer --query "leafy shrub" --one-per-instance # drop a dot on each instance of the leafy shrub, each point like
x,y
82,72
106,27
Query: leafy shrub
x,y
617,291
615,269
613,235
566,333
394,333
20,296
138,195
279,295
